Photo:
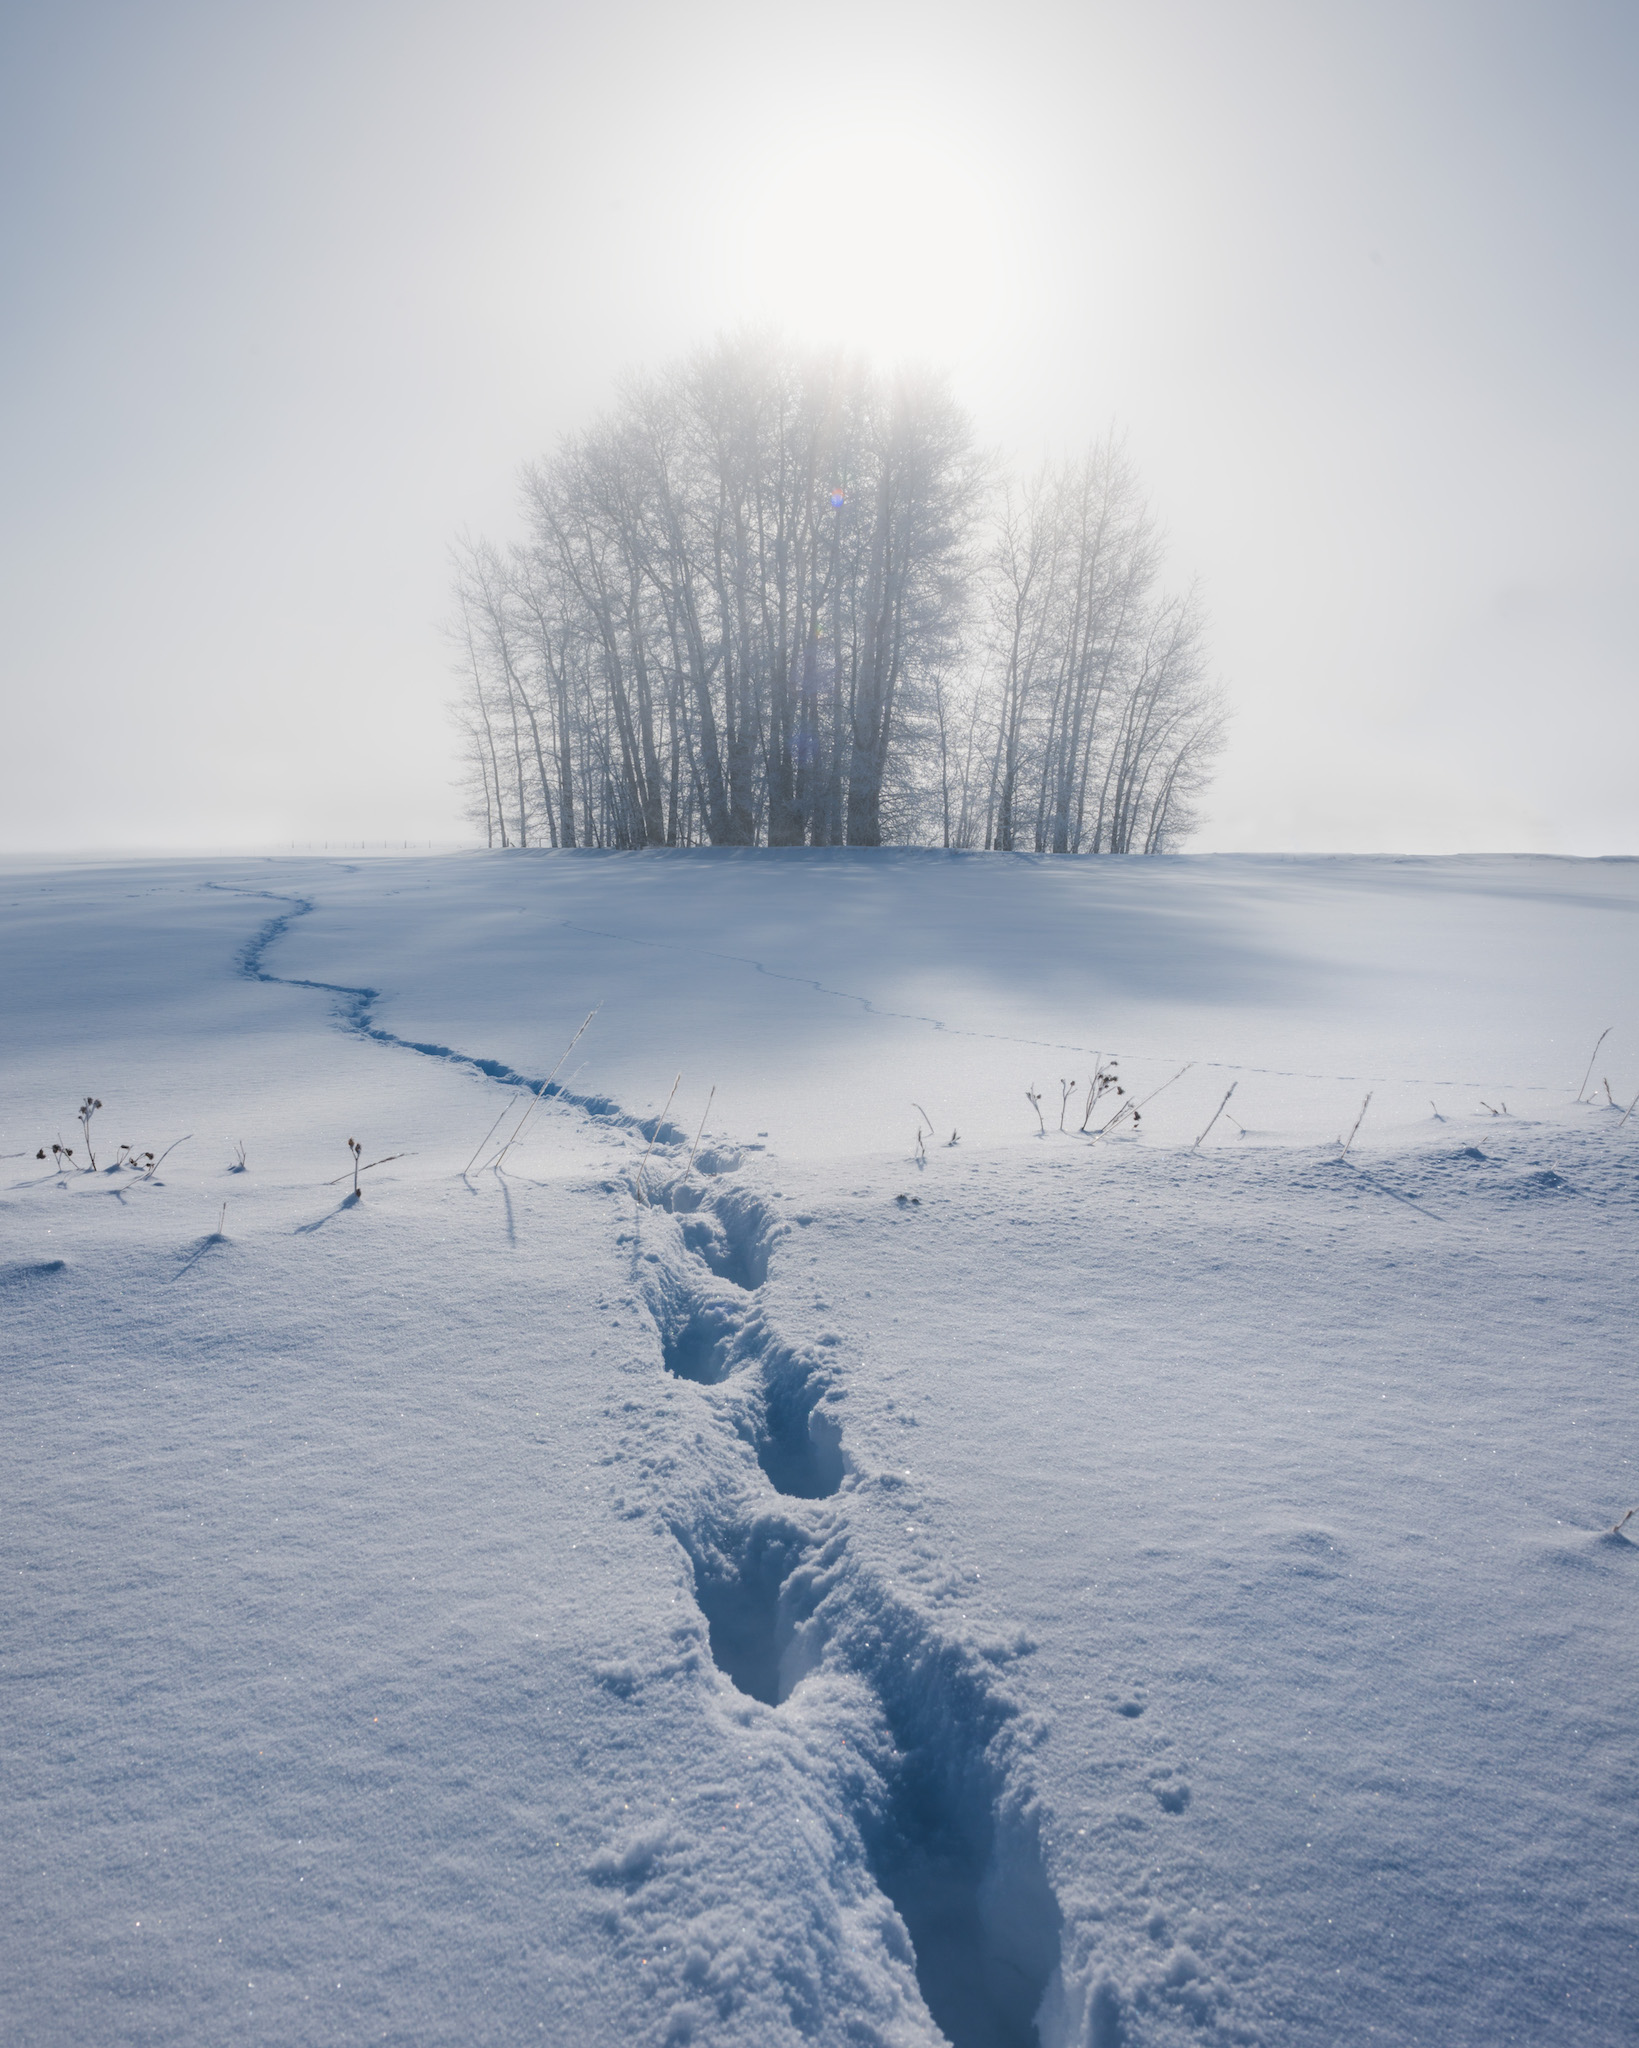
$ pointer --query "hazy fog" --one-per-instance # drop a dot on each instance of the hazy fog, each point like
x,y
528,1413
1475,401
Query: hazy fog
x,y
290,292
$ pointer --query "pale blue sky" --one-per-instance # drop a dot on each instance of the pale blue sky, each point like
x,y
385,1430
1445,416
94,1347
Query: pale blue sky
x,y
290,292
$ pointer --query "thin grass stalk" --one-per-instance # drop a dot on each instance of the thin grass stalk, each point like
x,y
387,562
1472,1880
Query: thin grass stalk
x,y
1092,1092
1355,1126
160,1161
1131,1108
699,1134
355,1169
484,1140
1598,1042
539,1092
654,1139
1218,1112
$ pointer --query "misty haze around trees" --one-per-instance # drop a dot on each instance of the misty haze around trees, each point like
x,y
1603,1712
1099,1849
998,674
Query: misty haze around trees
x,y
779,599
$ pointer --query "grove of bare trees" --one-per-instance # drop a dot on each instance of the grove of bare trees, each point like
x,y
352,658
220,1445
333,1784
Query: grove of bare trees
x,y
780,600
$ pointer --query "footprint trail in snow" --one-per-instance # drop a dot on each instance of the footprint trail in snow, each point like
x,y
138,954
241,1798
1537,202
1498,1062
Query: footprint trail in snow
x,y
932,1767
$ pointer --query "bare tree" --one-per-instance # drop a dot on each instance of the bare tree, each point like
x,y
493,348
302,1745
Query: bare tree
x,y
754,606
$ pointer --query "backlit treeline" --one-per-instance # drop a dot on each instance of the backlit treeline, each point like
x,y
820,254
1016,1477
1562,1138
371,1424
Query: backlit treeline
x,y
778,600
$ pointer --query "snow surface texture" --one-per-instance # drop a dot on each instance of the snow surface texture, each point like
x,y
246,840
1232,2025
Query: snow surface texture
x,y
1050,1590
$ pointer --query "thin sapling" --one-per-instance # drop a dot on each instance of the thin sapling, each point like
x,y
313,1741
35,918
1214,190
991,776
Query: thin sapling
x,y
1034,1099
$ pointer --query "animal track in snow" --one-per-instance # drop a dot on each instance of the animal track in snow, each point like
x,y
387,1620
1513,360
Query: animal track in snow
x,y
952,1839
798,1437
975,1900
698,1327
732,1232
948,1830
947,1836
743,1587
697,1348
355,1010
781,1398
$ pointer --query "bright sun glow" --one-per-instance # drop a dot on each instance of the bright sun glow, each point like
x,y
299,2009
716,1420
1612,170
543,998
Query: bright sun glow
x,y
894,242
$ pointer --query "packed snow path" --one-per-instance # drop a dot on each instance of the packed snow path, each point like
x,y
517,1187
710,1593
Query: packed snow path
x,y
1086,1593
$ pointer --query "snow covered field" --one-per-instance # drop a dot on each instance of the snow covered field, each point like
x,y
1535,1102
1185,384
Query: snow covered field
x,y
1051,1590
